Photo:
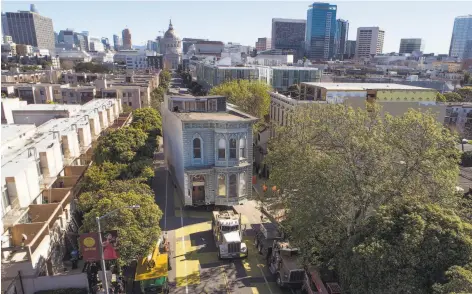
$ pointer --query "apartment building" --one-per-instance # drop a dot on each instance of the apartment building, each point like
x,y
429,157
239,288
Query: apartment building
x,y
370,41
77,95
279,77
208,148
24,77
41,170
395,99
263,44
34,93
289,34
134,96
459,118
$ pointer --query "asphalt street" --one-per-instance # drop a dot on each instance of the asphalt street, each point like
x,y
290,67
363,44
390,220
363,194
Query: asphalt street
x,y
195,265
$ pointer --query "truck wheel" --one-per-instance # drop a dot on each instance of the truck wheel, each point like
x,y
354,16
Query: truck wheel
x,y
279,281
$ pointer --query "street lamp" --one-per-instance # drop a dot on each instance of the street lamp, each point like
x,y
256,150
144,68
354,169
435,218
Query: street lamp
x,y
102,258
464,141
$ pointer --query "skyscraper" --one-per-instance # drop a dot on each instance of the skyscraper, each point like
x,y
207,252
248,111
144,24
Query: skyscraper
x,y
289,34
263,44
106,43
369,41
321,31
30,28
350,49
126,34
5,31
461,41
342,32
410,45
116,42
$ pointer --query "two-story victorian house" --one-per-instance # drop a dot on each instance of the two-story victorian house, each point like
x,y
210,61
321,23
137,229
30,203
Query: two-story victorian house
x,y
208,149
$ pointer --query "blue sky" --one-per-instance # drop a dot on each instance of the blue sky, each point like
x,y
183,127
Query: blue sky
x,y
244,22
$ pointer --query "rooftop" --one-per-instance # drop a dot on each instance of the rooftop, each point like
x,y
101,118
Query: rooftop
x,y
365,86
210,116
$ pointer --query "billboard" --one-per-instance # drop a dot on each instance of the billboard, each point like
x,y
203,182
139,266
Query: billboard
x,y
90,246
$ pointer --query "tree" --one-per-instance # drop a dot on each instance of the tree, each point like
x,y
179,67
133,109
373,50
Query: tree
x,y
465,93
389,255
440,97
459,281
120,146
344,164
164,78
147,119
97,177
453,97
251,97
91,67
138,229
466,80
157,96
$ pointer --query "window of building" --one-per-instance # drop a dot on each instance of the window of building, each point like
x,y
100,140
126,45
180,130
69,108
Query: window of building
x,y
130,104
200,105
233,186
222,149
41,92
212,105
242,184
221,185
5,198
197,148
232,148
242,148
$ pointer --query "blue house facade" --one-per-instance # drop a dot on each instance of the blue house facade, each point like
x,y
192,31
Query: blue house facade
x,y
208,149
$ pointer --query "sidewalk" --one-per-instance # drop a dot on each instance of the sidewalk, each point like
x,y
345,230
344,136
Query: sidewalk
x,y
272,211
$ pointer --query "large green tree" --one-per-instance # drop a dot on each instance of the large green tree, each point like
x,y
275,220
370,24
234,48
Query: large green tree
x,y
138,229
345,163
164,78
147,119
406,249
466,93
157,97
251,97
120,146
453,97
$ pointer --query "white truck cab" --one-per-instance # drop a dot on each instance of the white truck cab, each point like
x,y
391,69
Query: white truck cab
x,y
227,231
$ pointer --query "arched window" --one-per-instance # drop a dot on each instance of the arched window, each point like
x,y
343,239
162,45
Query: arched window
x,y
221,185
233,186
197,148
221,149
232,148
242,184
242,148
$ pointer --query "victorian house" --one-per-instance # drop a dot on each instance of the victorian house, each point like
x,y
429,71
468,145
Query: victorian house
x,y
208,149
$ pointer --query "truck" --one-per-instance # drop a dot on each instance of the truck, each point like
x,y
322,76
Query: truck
x,y
284,263
265,236
152,271
316,283
227,232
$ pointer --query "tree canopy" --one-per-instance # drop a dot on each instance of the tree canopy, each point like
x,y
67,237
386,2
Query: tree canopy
x,y
147,119
120,146
440,97
157,96
251,97
164,78
138,229
345,165
388,255
120,177
91,67
453,97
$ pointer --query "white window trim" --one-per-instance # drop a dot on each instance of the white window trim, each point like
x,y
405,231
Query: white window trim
x,y
197,160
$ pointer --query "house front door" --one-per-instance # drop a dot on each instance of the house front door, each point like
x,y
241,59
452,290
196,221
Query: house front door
x,y
198,190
